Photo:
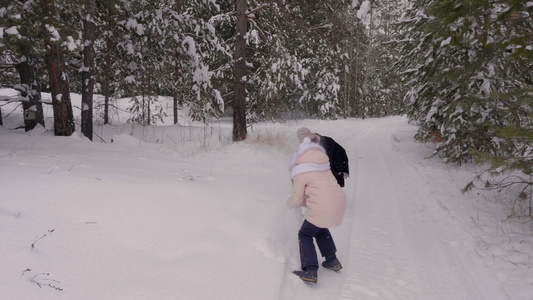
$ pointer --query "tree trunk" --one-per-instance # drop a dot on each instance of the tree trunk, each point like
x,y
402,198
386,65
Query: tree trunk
x,y
175,106
87,75
365,98
239,104
356,94
107,76
347,78
177,72
63,117
149,104
110,24
176,99
27,70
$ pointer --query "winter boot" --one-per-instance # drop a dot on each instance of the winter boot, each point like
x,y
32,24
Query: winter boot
x,y
309,276
332,264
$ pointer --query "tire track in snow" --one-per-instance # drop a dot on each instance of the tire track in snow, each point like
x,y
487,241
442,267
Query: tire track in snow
x,y
397,241
440,239
403,243
380,264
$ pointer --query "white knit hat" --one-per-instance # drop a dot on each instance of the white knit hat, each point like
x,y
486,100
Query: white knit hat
x,y
303,133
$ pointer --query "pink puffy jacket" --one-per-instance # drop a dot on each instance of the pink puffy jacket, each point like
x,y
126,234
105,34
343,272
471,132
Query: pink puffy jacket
x,y
317,189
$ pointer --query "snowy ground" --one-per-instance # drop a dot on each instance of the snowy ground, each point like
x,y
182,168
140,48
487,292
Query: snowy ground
x,y
179,212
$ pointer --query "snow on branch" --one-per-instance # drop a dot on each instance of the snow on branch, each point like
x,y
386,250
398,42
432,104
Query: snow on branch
x,y
250,13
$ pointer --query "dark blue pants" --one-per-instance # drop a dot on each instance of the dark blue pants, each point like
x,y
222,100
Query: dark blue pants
x,y
324,241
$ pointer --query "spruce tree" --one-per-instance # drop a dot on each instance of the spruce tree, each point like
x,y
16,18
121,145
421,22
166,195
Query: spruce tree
x,y
512,169
454,90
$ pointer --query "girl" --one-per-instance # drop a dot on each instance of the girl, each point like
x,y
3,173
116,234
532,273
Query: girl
x,y
315,187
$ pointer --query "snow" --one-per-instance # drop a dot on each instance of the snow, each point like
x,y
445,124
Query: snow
x,y
191,50
363,10
180,212
12,31
130,79
133,24
446,42
53,31
71,43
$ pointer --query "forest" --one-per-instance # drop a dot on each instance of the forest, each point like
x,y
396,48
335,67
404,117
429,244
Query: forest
x,y
299,56
460,70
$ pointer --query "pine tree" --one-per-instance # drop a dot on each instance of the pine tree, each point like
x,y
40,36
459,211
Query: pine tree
x,y
315,37
143,52
355,48
108,55
88,69
189,72
462,68
168,47
239,75
275,73
383,89
472,90
18,45
415,63
513,131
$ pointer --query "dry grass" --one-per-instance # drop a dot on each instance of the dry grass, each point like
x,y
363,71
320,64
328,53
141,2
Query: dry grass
x,y
268,139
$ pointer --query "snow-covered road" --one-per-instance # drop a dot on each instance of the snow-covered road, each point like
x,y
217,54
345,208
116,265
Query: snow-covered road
x,y
399,240
192,216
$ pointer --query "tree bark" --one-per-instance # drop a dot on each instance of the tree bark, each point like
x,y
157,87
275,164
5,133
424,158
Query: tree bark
x,y
176,97
109,24
63,117
177,72
87,75
239,104
27,70
107,76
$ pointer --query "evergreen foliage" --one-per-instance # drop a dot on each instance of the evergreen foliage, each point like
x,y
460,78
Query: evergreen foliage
x,y
470,86
307,58
462,81
461,69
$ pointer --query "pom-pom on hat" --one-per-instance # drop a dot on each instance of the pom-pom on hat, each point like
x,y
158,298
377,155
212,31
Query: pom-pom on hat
x,y
304,132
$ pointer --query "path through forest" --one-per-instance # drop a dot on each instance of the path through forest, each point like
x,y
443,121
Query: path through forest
x,y
398,240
